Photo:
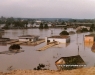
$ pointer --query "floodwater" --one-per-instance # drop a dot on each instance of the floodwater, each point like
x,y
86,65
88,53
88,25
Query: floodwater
x,y
30,58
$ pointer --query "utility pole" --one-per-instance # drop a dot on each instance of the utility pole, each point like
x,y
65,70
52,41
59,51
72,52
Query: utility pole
x,y
77,43
78,50
83,41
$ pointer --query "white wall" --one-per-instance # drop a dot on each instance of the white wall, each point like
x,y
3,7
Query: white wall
x,y
57,39
49,25
46,38
34,25
32,40
23,39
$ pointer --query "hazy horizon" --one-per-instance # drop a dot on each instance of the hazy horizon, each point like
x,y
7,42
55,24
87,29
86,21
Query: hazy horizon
x,y
75,9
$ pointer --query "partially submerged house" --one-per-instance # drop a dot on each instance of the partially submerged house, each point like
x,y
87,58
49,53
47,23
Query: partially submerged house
x,y
71,62
89,38
58,39
31,38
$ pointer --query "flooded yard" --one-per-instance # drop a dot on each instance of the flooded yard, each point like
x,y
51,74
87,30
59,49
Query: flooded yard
x,y
30,58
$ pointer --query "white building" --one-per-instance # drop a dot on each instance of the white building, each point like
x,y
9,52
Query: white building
x,y
36,25
59,39
31,38
38,22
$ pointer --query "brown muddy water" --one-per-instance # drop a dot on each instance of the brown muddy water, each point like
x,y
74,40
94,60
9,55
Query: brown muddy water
x,y
30,58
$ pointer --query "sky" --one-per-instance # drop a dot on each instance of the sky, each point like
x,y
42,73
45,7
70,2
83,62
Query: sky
x,y
79,9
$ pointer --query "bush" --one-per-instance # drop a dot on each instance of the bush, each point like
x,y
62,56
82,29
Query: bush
x,y
64,33
14,46
40,67
65,28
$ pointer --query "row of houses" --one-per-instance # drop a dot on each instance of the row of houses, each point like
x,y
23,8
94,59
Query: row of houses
x,y
56,38
33,38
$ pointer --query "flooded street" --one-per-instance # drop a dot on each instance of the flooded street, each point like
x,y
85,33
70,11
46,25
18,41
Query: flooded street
x,y
30,58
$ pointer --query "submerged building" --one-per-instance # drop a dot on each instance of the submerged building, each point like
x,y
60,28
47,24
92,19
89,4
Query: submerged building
x,y
58,39
89,38
31,38
68,63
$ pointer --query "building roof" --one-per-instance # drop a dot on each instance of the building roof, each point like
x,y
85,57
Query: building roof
x,y
90,35
63,36
78,59
28,36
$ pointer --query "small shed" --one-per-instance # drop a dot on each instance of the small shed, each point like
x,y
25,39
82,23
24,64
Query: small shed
x,y
58,39
31,38
89,38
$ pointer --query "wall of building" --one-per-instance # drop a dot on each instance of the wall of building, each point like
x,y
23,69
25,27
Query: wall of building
x,y
23,39
57,39
29,39
46,38
89,39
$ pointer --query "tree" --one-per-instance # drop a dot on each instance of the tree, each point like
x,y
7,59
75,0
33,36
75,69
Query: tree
x,y
91,30
7,25
41,26
63,23
14,47
64,33
18,24
25,23
32,22
46,26
84,30
92,27
65,28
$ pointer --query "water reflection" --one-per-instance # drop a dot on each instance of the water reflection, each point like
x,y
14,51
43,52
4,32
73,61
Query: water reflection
x,y
89,45
62,45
